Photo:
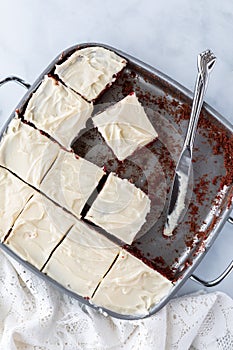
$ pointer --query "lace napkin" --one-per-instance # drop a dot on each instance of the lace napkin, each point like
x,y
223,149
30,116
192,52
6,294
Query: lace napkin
x,y
35,316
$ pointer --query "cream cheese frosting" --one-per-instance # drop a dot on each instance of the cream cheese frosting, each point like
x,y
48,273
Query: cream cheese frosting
x,y
70,181
38,229
131,287
81,260
26,152
179,209
14,194
125,126
120,208
57,110
88,71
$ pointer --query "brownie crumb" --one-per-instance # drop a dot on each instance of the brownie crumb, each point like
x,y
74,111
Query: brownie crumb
x,y
215,180
201,190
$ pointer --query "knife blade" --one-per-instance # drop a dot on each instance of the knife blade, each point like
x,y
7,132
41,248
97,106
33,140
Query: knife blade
x,y
179,195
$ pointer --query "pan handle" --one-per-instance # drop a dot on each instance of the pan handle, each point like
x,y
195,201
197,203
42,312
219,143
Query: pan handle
x,y
15,79
216,280
219,278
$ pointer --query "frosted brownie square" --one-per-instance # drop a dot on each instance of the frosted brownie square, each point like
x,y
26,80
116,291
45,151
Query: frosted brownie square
x,y
131,287
26,152
38,229
88,71
125,126
70,181
58,111
14,195
81,260
120,208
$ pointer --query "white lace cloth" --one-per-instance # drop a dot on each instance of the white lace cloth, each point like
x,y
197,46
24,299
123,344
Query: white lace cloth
x,y
34,315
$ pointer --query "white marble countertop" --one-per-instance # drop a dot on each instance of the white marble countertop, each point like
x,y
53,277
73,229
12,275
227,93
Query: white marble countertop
x,y
166,34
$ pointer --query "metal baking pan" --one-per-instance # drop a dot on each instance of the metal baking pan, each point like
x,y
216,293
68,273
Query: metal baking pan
x,y
167,103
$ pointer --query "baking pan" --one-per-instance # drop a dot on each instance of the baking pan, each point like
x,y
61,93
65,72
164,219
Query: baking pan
x,y
167,104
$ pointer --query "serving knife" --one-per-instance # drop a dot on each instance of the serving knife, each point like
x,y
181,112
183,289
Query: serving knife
x,y
177,204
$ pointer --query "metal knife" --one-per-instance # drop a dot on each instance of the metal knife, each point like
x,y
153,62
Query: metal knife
x,y
177,205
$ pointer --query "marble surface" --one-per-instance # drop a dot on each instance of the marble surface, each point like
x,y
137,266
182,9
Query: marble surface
x,y
166,34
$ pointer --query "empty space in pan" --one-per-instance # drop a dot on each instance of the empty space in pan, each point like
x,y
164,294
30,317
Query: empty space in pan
x,y
152,169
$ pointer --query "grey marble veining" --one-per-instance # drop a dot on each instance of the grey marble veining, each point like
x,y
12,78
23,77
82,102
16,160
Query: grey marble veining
x,y
166,34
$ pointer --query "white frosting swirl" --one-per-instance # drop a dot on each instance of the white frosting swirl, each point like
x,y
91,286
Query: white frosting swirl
x,y
14,194
70,181
125,127
26,152
82,259
88,71
38,230
120,208
131,287
58,111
